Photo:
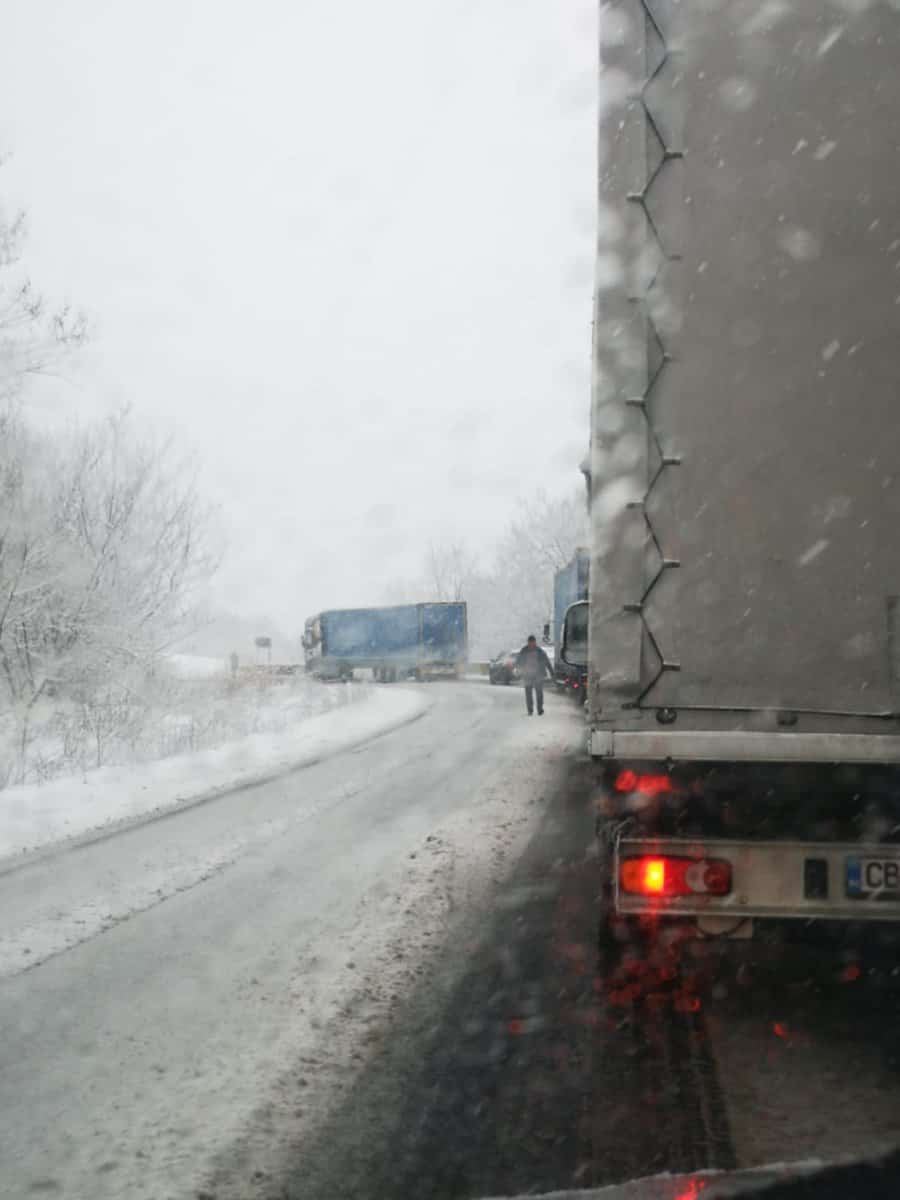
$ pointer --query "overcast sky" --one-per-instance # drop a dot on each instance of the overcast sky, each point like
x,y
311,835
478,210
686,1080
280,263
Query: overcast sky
x,y
344,248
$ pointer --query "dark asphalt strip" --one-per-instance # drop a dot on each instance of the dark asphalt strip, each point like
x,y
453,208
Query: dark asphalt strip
x,y
662,1053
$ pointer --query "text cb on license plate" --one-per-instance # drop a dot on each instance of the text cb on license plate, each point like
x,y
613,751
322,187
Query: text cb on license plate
x,y
866,876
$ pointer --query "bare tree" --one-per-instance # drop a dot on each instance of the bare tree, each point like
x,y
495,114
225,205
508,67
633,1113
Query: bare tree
x,y
449,569
135,525
537,543
549,531
515,596
34,338
104,546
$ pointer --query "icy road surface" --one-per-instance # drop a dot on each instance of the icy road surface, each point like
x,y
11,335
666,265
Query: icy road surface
x,y
159,987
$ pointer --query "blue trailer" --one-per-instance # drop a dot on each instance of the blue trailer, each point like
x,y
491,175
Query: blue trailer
x,y
570,585
394,642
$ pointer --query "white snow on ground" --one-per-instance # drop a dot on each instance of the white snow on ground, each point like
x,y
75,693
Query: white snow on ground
x,y
234,1016
345,997
196,666
36,815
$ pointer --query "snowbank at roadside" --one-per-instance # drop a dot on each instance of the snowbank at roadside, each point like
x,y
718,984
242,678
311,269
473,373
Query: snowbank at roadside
x,y
37,815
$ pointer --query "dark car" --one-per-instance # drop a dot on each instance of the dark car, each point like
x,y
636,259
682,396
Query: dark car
x,y
503,669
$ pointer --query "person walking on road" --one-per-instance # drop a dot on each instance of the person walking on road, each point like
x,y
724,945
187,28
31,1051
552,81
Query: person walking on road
x,y
533,665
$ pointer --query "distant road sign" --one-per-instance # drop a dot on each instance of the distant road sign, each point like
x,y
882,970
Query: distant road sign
x,y
264,643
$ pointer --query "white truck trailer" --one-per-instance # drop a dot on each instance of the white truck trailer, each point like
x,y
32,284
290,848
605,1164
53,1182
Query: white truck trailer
x,y
743,630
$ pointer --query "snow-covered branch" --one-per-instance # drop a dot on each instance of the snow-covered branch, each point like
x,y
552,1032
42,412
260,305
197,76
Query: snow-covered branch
x,y
105,543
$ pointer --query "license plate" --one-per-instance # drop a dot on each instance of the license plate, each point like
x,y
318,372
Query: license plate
x,y
873,878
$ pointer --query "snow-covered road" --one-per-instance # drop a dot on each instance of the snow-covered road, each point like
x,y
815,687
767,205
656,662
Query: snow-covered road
x,y
160,987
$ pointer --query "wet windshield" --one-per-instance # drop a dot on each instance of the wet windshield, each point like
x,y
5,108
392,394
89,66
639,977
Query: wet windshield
x,y
449,576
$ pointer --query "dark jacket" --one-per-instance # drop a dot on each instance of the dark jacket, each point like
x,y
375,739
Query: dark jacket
x,y
533,664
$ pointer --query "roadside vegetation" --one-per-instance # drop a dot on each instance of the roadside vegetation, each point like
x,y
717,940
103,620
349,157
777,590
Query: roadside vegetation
x,y
509,591
107,549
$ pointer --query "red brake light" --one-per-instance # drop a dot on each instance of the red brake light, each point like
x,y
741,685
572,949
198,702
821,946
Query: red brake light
x,y
670,875
693,1189
653,876
652,785
647,785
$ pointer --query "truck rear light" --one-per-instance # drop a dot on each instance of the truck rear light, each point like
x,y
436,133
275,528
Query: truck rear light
x,y
669,875
626,781
652,877
717,877
647,785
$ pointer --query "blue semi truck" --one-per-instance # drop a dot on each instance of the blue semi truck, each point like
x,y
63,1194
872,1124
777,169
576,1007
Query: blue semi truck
x,y
570,585
419,640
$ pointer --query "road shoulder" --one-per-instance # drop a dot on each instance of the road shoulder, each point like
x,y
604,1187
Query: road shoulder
x,y
40,820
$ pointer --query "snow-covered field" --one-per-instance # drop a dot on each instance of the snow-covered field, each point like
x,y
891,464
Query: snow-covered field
x,y
197,666
186,702
296,732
